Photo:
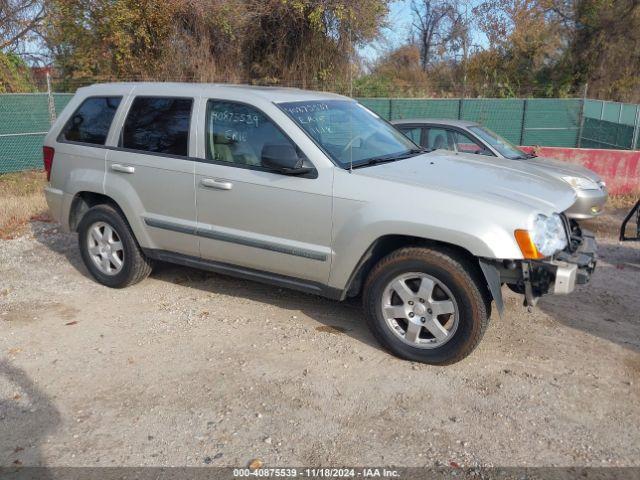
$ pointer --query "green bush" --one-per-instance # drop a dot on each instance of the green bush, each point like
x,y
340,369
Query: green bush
x,y
15,76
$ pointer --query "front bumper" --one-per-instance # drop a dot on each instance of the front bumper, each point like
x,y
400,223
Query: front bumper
x,y
561,274
574,268
584,258
588,204
534,278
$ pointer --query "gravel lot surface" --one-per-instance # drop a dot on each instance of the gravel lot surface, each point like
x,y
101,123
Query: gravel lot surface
x,y
192,368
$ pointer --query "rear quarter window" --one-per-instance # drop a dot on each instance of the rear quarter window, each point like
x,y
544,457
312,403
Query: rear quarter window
x,y
91,121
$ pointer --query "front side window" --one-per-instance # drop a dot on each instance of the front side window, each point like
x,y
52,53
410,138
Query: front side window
x,y
90,123
466,144
237,133
413,133
506,148
158,125
348,132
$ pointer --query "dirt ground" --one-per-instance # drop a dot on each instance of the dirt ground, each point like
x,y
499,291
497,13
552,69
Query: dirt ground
x,y
192,368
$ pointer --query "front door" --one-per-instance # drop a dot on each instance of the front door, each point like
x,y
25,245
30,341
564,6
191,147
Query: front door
x,y
251,217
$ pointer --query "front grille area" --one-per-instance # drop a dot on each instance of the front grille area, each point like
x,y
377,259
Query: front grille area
x,y
573,232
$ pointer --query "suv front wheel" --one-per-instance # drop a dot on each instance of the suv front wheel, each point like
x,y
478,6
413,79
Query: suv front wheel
x,y
109,250
425,305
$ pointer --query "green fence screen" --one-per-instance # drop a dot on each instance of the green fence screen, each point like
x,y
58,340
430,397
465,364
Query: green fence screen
x,y
549,122
25,119
610,125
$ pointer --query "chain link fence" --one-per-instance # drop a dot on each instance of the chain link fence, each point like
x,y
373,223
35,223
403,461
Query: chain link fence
x,y
539,121
25,119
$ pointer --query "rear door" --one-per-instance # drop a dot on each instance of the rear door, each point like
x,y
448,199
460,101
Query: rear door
x,y
150,174
439,138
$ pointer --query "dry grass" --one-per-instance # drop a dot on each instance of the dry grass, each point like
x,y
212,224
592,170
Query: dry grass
x,y
21,199
625,201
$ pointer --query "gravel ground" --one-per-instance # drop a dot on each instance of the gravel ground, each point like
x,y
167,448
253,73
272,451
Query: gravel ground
x,y
192,368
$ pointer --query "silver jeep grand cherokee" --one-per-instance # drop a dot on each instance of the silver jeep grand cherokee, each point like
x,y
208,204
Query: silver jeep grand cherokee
x,y
309,191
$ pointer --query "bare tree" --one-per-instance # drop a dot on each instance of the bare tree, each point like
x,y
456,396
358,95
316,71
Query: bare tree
x,y
435,24
18,20
565,10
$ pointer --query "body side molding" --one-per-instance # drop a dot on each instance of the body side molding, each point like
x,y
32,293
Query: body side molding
x,y
239,239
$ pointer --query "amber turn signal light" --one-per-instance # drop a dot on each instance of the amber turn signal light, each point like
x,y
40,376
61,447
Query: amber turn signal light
x,y
527,247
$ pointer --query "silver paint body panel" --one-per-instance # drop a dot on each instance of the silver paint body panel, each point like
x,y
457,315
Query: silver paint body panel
x,y
315,229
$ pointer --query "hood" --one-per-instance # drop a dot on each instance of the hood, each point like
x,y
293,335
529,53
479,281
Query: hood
x,y
488,177
563,168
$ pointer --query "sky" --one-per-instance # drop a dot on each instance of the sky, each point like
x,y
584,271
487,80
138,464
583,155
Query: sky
x,y
399,26
399,21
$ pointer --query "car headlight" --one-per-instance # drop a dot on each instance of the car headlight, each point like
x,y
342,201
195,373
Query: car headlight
x,y
581,183
546,237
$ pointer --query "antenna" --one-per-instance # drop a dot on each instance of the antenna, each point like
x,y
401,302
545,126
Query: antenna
x,y
350,96
350,63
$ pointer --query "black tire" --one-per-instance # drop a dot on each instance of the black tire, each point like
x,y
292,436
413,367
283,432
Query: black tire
x,y
462,280
135,266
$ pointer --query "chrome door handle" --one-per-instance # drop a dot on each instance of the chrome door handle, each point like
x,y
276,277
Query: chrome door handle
x,y
219,184
116,167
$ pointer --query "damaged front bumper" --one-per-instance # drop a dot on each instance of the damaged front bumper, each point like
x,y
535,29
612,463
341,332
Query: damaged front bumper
x,y
561,274
558,275
576,266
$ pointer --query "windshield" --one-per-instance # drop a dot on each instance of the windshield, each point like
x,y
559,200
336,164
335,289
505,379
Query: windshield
x,y
348,132
504,147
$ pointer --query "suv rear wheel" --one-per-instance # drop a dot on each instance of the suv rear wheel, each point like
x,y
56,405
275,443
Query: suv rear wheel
x,y
425,305
109,249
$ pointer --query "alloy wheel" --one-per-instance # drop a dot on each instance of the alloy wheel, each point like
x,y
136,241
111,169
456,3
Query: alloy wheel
x,y
420,310
105,248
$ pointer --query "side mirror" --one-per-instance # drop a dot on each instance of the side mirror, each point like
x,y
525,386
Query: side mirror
x,y
283,159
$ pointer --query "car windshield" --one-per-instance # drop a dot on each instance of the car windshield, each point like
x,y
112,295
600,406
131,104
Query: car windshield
x,y
504,147
349,133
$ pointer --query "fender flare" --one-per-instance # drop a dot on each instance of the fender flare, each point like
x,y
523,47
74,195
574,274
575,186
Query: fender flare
x,y
492,276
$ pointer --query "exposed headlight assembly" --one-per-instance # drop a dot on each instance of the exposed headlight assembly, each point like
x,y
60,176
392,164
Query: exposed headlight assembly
x,y
546,237
581,183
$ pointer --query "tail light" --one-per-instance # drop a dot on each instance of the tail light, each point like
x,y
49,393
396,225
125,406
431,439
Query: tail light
x,y
47,158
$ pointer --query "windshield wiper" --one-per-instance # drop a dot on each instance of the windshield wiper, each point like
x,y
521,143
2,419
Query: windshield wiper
x,y
386,158
375,161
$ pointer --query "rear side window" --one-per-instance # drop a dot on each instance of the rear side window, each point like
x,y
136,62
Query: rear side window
x,y
439,138
158,125
90,123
